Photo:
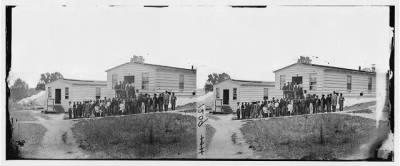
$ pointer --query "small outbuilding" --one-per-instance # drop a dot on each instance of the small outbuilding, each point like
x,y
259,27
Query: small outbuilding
x,y
233,91
62,91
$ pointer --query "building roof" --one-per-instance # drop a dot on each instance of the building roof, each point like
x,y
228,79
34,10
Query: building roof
x,y
171,67
250,82
91,81
81,82
324,66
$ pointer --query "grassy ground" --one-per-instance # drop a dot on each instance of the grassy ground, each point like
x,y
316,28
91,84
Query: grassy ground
x,y
161,135
27,115
360,106
210,131
189,107
32,134
365,111
22,116
316,137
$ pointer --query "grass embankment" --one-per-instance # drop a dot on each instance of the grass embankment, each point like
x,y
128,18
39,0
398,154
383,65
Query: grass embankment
x,y
363,111
360,106
23,115
210,131
314,137
162,135
32,134
189,107
29,133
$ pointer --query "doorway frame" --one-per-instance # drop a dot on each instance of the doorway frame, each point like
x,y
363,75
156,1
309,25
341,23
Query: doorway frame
x,y
224,98
55,96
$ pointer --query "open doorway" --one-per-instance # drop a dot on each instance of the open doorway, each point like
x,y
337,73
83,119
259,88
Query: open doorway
x,y
297,80
225,95
57,96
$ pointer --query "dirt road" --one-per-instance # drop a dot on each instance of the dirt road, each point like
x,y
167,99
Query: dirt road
x,y
58,141
228,140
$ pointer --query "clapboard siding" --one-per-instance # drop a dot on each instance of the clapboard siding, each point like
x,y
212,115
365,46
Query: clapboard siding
x,y
160,78
303,71
78,92
58,85
227,85
249,94
133,69
337,81
169,80
244,93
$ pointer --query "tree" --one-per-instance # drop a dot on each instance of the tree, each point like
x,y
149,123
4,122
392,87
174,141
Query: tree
x,y
19,90
215,78
208,87
304,59
46,78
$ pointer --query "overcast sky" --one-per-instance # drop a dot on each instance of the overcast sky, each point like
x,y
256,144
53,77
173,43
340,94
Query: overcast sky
x,y
82,43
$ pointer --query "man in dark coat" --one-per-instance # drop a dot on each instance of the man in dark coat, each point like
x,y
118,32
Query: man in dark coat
x,y
243,107
74,110
328,103
238,111
173,101
161,102
341,101
248,110
166,100
135,105
155,102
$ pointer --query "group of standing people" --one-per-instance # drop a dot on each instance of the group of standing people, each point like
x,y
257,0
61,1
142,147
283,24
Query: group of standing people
x,y
310,104
124,89
142,103
295,88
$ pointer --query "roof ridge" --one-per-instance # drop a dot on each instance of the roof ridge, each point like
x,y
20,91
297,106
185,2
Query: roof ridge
x,y
324,66
68,79
181,68
252,81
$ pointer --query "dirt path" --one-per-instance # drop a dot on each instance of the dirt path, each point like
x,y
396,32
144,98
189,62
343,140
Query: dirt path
x,y
222,145
58,141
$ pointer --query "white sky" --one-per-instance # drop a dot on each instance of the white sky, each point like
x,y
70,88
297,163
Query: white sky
x,y
82,43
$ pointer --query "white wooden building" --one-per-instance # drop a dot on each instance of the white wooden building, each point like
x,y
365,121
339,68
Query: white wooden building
x,y
62,91
320,79
152,78
233,91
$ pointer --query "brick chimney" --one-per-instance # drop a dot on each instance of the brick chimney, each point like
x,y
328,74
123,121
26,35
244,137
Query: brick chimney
x,y
373,67
137,59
